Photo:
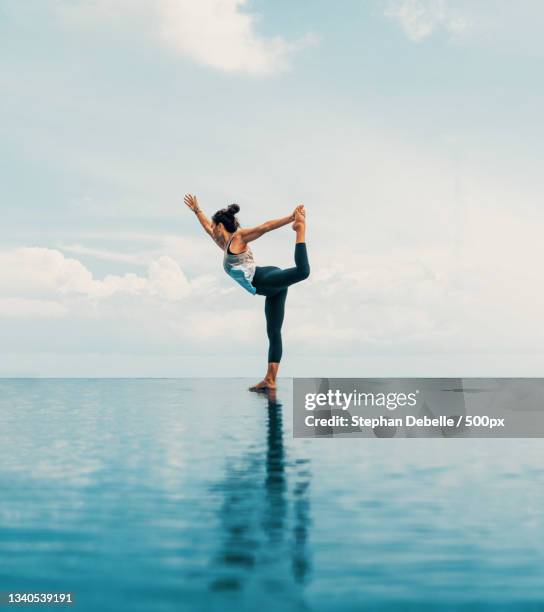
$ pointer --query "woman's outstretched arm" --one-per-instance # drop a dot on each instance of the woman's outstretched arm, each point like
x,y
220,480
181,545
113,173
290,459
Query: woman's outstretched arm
x,y
192,203
252,233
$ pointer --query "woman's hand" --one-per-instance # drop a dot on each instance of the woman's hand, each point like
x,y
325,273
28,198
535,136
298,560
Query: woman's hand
x,y
191,202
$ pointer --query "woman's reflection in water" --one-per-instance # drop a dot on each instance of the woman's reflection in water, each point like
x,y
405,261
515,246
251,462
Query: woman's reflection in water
x,y
264,528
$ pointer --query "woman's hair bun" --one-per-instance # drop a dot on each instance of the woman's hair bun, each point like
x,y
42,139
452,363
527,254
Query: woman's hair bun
x,y
227,217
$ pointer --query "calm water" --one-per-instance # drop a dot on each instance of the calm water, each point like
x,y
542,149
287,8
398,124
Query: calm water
x,y
193,495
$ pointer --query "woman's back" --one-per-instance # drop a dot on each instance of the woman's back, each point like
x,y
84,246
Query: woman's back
x,y
240,266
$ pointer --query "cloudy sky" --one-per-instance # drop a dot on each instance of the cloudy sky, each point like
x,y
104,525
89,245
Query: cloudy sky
x,y
411,129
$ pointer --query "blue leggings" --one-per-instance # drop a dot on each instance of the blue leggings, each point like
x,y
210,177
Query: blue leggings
x,y
273,282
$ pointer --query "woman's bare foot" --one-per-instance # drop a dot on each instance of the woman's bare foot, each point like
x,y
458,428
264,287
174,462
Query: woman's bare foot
x,y
300,218
269,381
265,384
299,224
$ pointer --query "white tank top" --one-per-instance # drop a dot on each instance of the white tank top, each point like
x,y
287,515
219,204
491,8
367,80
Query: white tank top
x,y
240,267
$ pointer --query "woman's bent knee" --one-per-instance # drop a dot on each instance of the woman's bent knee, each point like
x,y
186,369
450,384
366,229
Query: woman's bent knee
x,y
304,272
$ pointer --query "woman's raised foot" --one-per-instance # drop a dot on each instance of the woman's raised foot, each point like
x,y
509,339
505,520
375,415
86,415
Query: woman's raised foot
x,y
300,218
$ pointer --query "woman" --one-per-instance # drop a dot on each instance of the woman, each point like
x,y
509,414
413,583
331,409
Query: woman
x,y
270,281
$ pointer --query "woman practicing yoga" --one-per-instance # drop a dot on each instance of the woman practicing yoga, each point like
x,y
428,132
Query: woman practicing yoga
x,y
269,281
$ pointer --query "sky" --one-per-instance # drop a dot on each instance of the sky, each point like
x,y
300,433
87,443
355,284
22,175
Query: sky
x,y
411,130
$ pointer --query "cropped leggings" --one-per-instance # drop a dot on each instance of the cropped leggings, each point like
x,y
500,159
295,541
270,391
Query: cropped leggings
x,y
273,282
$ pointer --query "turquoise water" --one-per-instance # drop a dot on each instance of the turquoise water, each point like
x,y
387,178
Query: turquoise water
x,y
162,494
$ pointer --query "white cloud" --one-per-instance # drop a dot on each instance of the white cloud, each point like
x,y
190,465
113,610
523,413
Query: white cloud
x,y
504,26
420,18
219,34
50,300
216,33
167,280
39,272
34,272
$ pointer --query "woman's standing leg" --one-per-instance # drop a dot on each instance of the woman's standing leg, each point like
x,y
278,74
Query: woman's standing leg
x,y
274,310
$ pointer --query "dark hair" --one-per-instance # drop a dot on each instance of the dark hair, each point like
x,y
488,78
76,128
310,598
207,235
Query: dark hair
x,y
227,218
